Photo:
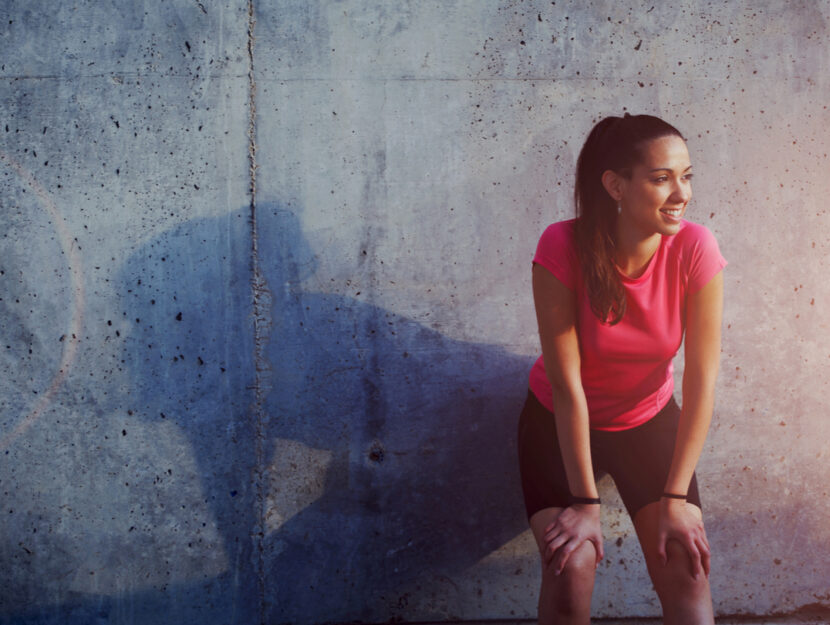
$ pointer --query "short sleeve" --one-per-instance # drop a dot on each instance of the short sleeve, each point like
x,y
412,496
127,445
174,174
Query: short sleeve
x,y
556,252
705,260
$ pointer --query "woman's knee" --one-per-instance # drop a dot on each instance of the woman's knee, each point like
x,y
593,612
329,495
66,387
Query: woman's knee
x,y
576,576
675,581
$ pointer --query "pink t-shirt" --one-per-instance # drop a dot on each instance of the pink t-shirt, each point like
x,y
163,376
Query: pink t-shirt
x,y
627,367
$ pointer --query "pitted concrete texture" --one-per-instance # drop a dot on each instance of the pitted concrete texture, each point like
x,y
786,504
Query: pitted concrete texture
x,y
265,302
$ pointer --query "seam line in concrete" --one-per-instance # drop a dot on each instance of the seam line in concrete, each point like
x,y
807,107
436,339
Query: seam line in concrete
x,y
261,303
119,76
365,79
484,79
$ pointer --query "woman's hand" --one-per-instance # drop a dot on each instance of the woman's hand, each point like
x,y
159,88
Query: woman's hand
x,y
574,525
678,521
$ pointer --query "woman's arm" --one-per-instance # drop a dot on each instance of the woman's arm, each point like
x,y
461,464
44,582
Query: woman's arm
x,y
556,316
704,312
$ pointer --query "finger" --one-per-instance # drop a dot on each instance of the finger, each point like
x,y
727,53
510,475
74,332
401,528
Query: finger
x,y
703,544
560,540
556,524
694,555
599,550
548,554
547,557
555,528
550,558
554,545
553,533
661,549
562,556
705,558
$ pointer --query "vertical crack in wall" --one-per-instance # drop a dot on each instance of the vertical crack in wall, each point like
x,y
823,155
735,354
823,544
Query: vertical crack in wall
x,y
261,328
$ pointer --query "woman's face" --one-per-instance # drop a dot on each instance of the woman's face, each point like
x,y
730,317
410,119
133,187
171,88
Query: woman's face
x,y
653,200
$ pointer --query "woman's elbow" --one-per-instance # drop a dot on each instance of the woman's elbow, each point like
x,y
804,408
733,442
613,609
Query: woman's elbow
x,y
701,377
565,394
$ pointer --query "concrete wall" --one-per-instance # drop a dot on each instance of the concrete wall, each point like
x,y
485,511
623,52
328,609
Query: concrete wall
x,y
266,314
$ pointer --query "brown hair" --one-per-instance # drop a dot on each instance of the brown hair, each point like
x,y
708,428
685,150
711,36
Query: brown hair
x,y
616,144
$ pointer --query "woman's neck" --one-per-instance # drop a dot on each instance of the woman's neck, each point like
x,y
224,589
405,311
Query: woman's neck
x,y
634,251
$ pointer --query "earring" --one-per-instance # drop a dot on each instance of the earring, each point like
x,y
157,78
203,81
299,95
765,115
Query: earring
x,y
619,208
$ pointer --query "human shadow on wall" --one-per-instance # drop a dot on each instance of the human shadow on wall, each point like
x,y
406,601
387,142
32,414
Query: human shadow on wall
x,y
188,355
387,448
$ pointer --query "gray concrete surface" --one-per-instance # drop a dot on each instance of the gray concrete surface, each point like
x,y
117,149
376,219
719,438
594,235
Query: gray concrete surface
x,y
265,300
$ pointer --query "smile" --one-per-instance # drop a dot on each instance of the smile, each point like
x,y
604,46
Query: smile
x,y
672,212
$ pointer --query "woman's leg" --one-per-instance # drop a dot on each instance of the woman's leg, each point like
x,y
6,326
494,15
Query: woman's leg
x,y
685,600
564,599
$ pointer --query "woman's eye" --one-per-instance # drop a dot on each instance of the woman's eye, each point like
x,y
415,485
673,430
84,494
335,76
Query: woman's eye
x,y
661,179
688,176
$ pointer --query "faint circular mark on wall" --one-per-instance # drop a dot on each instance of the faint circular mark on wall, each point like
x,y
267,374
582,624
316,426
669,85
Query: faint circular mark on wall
x,y
73,334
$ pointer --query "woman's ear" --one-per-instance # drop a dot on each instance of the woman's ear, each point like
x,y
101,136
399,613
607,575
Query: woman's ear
x,y
613,183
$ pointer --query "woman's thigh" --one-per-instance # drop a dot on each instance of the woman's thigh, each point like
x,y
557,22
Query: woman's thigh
x,y
544,481
639,459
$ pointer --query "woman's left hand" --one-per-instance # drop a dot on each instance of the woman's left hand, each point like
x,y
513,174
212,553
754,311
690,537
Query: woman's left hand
x,y
679,521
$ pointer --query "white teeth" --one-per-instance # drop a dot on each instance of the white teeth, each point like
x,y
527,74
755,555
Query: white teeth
x,y
674,212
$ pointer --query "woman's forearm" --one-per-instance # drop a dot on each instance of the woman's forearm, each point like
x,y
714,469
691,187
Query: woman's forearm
x,y
571,413
695,417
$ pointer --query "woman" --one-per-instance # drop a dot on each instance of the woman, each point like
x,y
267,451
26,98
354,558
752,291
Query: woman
x,y
615,289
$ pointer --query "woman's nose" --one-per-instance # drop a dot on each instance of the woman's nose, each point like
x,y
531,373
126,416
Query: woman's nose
x,y
682,191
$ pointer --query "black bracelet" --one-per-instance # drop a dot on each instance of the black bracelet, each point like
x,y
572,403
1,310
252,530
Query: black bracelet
x,y
586,500
674,496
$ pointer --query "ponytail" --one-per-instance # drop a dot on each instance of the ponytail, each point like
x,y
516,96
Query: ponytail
x,y
615,144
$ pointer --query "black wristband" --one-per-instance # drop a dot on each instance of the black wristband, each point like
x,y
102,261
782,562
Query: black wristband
x,y
586,500
674,496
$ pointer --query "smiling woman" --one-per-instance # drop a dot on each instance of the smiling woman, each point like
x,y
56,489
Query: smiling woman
x,y
615,290
652,199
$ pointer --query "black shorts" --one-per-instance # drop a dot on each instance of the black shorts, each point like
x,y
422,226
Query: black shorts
x,y
638,459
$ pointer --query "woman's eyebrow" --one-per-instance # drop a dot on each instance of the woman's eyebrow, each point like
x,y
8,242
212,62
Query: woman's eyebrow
x,y
651,171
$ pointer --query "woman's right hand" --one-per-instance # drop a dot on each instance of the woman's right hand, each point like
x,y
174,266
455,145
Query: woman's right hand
x,y
574,525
